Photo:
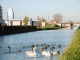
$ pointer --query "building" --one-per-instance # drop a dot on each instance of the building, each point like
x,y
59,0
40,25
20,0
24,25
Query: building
x,y
53,22
1,16
19,22
10,14
43,24
14,22
32,22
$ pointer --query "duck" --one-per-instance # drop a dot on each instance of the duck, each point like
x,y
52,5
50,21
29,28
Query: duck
x,y
23,46
18,50
9,48
59,46
0,46
31,53
52,46
56,53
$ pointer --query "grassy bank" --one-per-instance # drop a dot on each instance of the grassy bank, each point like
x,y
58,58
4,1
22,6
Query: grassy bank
x,y
72,52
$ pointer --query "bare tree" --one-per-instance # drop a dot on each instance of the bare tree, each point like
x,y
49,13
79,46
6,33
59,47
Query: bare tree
x,y
43,19
58,17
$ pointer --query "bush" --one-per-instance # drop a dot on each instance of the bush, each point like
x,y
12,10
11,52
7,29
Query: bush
x,y
55,25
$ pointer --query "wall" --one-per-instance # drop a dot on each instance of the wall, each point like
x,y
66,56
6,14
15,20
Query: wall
x,y
14,22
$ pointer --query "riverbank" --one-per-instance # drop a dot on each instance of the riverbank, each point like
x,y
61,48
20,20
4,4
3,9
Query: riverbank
x,y
72,52
7,30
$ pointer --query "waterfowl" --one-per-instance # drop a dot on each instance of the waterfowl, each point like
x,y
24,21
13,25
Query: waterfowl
x,y
42,49
46,53
56,53
31,53
18,50
36,45
52,46
23,46
0,46
9,49
59,46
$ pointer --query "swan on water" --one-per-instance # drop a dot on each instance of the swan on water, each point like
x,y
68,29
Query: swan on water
x,y
56,53
46,53
31,53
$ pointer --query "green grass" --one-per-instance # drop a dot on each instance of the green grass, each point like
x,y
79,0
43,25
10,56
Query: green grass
x,y
72,52
51,26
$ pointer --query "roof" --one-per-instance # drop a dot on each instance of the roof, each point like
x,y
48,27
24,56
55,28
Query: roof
x,y
52,20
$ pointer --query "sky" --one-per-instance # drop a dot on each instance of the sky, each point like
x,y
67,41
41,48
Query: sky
x,y
70,9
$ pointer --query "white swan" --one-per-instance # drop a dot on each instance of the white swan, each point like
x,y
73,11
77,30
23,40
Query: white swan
x,y
31,53
56,53
46,53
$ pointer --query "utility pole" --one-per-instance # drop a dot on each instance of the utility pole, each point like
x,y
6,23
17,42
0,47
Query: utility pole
x,y
48,19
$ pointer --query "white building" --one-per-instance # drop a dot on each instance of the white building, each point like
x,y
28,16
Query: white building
x,y
10,14
14,22
30,22
43,24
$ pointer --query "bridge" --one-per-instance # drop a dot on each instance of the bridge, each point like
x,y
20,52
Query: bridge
x,y
76,23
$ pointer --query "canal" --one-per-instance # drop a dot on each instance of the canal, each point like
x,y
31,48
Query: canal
x,y
20,43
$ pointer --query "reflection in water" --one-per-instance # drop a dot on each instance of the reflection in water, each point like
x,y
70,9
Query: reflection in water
x,y
1,39
69,28
30,58
48,58
11,39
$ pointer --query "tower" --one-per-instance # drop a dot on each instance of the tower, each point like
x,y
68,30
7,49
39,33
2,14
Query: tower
x,y
1,18
10,14
0,12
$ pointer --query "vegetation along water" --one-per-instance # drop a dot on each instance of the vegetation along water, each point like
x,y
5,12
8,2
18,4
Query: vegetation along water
x,y
72,52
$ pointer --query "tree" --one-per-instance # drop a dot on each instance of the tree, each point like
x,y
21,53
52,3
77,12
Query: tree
x,y
43,19
58,17
25,21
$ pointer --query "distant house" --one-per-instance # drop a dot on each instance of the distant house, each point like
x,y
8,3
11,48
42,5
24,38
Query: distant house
x,y
33,23
67,24
53,22
43,24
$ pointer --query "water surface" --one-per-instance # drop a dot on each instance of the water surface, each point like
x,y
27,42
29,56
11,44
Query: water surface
x,y
16,41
